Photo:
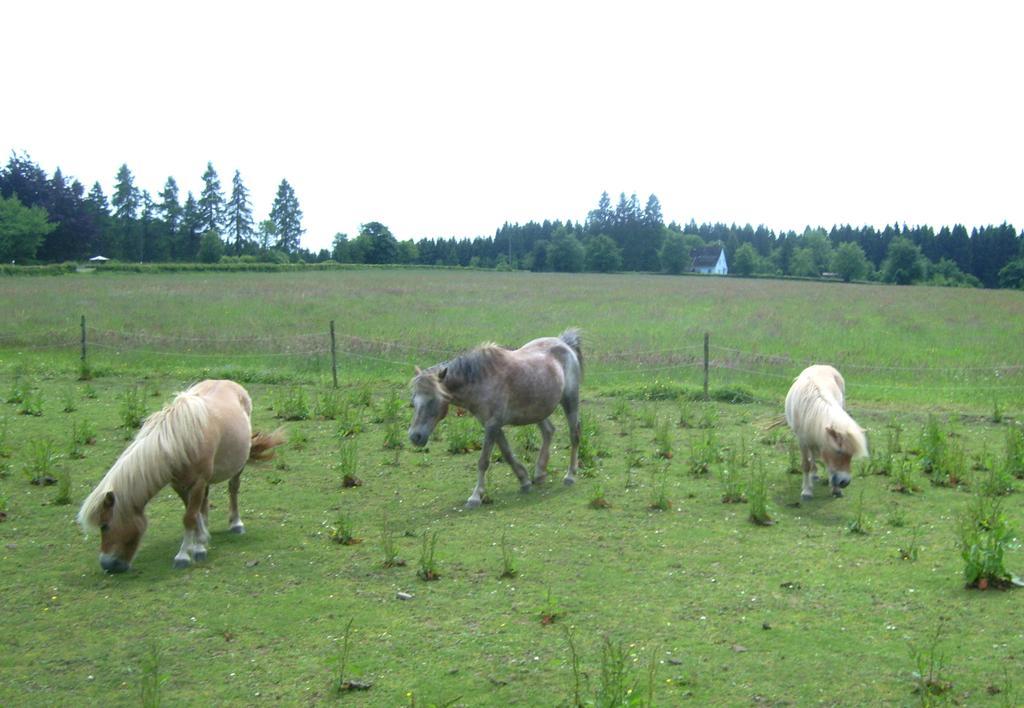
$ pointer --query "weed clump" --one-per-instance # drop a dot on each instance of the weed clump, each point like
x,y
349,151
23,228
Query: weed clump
x,y
984,536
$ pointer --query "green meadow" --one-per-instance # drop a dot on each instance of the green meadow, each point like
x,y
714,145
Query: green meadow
x,y
639,585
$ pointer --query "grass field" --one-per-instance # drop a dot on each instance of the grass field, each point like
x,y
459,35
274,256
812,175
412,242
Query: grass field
x,y
667,588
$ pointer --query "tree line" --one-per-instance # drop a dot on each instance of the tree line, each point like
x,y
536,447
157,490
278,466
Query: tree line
x,y
52,218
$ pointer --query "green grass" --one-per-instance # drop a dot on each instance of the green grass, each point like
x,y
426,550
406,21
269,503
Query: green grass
x,y
272,613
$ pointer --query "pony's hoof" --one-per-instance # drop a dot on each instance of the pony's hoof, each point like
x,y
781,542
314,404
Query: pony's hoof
x,y
804,496
540,479
525,489
199,556
472,503
837,493
181,563
240,529
569,481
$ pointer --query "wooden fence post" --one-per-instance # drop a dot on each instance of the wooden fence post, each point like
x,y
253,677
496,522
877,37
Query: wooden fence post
x,y
705,366
334,357
83,340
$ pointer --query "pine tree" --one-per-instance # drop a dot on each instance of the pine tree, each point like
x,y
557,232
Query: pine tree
x,y
191,230
125,201
211,202
287,218
238,215
169,208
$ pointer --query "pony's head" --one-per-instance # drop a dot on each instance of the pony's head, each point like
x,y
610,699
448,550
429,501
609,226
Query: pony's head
x,y
842,446
430,401
121,529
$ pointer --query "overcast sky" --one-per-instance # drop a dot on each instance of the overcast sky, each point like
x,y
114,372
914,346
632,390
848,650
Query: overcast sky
x,y
448,119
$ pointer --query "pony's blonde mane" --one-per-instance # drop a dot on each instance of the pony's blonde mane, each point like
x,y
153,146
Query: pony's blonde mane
x,y
169,440
821,409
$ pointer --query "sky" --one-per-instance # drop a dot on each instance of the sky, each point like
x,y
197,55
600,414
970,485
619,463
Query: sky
x,y
443,119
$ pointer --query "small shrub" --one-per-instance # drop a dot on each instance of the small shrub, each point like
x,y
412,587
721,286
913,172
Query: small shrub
x,y
732,485
621,410
390,408
328,404
526,438
933,445
68,400
362,396
997,412
342,682
19,389
388,545
903,477
663,439
462,434
708,417
687,418
349,419
508,568
348,462
929,668
342,531
42,458
995,478
949,469
703,453
88,391
897,517
647,417
63,487
393,435
292,405
31,403
757,495
859,525
910,551
793,464
591,445
151,681
549,611
984,537
5,445
133,411
598,501
1014,459
659,490
428,562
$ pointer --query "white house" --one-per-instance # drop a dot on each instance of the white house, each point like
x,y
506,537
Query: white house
x,y
710,259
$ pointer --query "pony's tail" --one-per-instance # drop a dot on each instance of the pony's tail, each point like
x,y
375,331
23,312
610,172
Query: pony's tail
x,y
262,445
573,338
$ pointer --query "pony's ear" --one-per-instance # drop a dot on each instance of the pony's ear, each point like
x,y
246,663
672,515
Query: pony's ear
x,y
108,500
418,370
835,435
442,373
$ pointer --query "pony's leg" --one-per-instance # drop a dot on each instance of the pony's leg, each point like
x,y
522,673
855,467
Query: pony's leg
x,y
506,451
571,404
203,520
235,524
547,431
191,549
477,497
807,493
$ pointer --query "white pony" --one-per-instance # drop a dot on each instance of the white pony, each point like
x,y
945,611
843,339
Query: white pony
x,y
816,413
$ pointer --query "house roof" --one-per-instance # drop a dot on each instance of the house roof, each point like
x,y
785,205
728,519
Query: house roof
x,y
99,259
706,257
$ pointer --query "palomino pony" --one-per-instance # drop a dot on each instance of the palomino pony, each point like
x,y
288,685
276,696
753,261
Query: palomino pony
x,y
816,413
502,387
202,437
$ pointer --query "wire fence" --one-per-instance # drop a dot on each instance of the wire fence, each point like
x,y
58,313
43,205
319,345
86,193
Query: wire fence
x,y
327,352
